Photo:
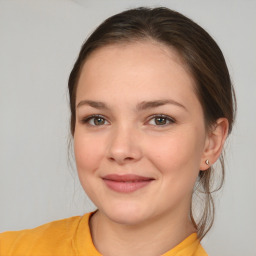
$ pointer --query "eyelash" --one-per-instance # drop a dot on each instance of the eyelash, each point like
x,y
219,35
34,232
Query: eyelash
x,y
168,119
89,118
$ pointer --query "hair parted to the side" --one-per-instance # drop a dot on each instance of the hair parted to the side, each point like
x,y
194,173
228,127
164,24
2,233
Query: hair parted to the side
x,y
200,54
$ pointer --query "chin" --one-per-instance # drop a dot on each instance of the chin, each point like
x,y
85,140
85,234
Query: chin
x,y
125,214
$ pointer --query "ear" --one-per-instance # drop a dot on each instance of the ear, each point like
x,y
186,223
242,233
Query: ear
x,y
214,143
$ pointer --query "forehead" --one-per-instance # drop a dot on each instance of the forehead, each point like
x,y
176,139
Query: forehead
x,y
147,49
148,66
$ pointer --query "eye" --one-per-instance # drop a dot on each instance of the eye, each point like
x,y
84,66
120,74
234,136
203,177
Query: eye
x,y
95,120
161,120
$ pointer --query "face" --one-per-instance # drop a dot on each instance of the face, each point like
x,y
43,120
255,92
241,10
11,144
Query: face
x,y
140,134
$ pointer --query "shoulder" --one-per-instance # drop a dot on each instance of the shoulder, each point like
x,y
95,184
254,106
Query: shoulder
x,y
200,251
54,236
55,227
191,246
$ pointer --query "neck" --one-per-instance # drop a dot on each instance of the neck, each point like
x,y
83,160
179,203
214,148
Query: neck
x,y
162,234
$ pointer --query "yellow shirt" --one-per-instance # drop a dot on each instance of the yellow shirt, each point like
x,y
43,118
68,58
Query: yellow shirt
x,y
72,237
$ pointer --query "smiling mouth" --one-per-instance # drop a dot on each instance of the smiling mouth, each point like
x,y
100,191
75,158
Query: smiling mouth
x,y
126,183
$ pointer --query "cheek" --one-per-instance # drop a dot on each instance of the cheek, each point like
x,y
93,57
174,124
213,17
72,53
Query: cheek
x,y
177,153
177,160
88,152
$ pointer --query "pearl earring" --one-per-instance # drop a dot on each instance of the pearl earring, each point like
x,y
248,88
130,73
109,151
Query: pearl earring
x,y
207,162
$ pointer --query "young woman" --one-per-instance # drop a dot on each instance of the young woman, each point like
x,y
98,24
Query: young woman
x,y
151,106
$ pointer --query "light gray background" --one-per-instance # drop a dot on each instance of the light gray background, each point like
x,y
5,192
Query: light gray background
x,y
39,41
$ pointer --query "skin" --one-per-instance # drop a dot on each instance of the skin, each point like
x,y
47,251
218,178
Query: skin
x,y
128,140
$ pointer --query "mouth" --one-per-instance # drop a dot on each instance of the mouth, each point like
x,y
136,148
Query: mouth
x,y
126,183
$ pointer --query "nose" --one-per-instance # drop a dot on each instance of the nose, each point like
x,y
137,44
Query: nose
x,y
124,146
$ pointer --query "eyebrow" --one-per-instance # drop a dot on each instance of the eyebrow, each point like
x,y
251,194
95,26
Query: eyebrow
x,y
141,106
94,104
157,103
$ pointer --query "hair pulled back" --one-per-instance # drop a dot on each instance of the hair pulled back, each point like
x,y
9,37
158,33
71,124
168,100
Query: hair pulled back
x,y
200,54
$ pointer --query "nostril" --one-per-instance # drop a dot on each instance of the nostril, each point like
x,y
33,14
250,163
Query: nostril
x,y
112,159
118,159
128,158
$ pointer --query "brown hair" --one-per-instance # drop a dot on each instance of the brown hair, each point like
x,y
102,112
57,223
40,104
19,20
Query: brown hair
x,y
201,55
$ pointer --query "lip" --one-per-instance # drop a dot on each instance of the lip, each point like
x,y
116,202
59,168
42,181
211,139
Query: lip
x,y
126,183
